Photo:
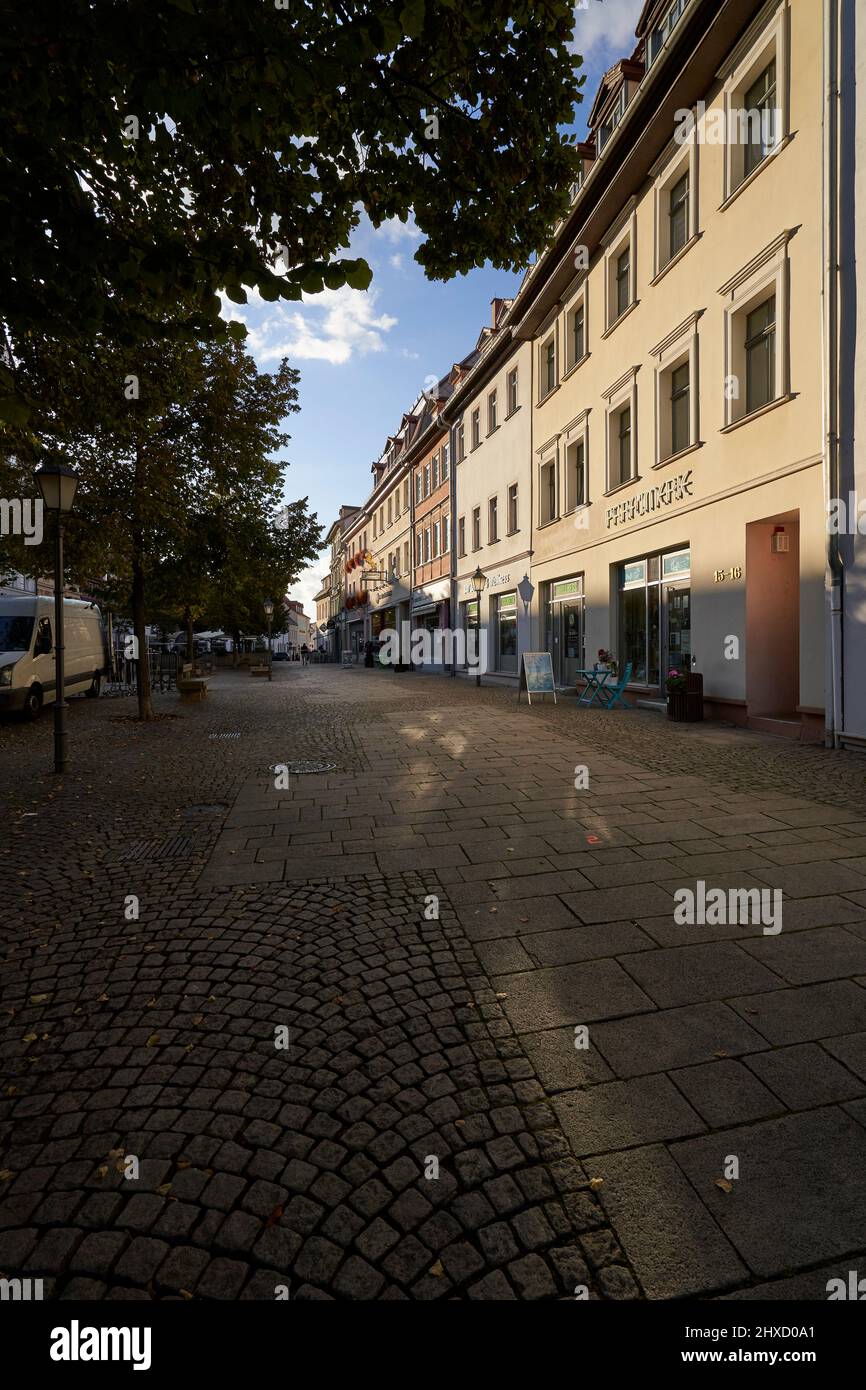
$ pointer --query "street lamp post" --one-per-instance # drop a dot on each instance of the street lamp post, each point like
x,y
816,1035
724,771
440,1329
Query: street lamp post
x,y
269,613
57,485
479,584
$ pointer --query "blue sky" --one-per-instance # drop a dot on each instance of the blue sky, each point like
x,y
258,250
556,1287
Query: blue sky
x,y
365,357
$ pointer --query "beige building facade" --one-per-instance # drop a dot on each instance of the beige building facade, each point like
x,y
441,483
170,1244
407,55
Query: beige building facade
x,y
677,401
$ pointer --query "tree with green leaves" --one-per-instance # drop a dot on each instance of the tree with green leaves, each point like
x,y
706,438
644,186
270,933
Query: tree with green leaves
x,y
161,151
174,446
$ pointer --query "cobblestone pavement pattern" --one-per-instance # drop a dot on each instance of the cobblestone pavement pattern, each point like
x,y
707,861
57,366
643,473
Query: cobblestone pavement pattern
x,y
419,1042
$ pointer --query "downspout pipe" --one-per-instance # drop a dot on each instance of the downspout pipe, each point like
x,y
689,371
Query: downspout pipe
x,y
832,474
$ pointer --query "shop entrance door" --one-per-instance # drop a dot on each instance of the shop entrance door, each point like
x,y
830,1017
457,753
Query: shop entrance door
x,y
677,629
569,641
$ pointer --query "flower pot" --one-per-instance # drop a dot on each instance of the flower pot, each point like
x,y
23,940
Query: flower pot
x,y
678,706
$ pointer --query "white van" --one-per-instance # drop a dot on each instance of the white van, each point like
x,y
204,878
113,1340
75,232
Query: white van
x,y
27,651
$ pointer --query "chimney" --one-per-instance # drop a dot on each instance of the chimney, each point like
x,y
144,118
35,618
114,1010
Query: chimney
x,y
496,310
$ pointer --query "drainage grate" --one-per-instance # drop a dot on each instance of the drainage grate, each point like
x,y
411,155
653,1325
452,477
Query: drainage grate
x,y
172,847
221,736
301,766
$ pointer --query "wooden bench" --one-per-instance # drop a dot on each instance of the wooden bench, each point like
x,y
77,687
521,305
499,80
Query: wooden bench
x,y
190,687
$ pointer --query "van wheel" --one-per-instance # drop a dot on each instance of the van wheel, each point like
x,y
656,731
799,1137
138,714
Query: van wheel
x,y
33,703
96,685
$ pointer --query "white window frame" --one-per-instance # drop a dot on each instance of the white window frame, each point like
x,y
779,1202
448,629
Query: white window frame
x,y
512,530
622,393
548,459
623,237
493,535
544,390
580,300
680,346
513,374
492,404
768,273
576,433
676,161
766,41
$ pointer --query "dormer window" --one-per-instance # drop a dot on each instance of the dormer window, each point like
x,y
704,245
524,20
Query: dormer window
x,y
617,112
659,36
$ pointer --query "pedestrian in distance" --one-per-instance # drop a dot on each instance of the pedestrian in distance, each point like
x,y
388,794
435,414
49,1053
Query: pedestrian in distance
x,y
305,653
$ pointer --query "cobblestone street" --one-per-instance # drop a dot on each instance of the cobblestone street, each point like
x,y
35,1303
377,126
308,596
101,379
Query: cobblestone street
x,y
429,926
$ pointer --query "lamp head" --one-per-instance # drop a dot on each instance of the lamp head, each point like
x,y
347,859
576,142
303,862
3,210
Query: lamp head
x,y
58,485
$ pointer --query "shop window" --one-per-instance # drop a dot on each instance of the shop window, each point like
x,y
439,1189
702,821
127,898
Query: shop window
x,y
505,629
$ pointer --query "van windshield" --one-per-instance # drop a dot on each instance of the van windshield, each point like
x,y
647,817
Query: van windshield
x,y
15,634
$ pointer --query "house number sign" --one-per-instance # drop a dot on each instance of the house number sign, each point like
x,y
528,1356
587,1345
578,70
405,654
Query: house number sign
x,y
733,572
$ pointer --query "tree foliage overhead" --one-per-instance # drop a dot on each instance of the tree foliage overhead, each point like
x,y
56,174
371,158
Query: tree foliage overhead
x,y
265,128
179,495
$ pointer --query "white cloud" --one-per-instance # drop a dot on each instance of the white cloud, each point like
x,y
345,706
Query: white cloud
x,y
333,326
309,584
395,231
606,26
396,261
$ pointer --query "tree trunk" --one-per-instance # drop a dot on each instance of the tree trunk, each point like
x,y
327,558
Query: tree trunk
x,y
145,705
190,644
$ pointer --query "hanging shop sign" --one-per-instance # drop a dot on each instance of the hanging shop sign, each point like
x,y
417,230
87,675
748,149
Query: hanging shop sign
x,y
653,500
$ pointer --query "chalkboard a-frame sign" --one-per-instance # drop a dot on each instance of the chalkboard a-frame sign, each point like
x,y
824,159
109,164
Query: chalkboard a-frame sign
x,y
536,676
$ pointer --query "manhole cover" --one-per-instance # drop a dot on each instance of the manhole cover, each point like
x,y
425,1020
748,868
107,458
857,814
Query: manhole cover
x,y
301,766
172,847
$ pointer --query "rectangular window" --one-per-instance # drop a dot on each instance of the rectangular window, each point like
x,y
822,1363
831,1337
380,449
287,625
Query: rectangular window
x,y
476,528
512,391
512,509
623,281
374,526
759,119
436,534
547,492
397,504
492,520
406,495
680,409
678,216
578,335
476,428
435,471
548,373
446,449
461,535
426,544
575,475
624,443
390,517
761,355
426,480
446,534
419,549
406,557
419,486
491,412
461,442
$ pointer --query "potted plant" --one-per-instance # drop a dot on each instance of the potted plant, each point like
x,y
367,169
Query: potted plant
x,y
676,685
606,661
